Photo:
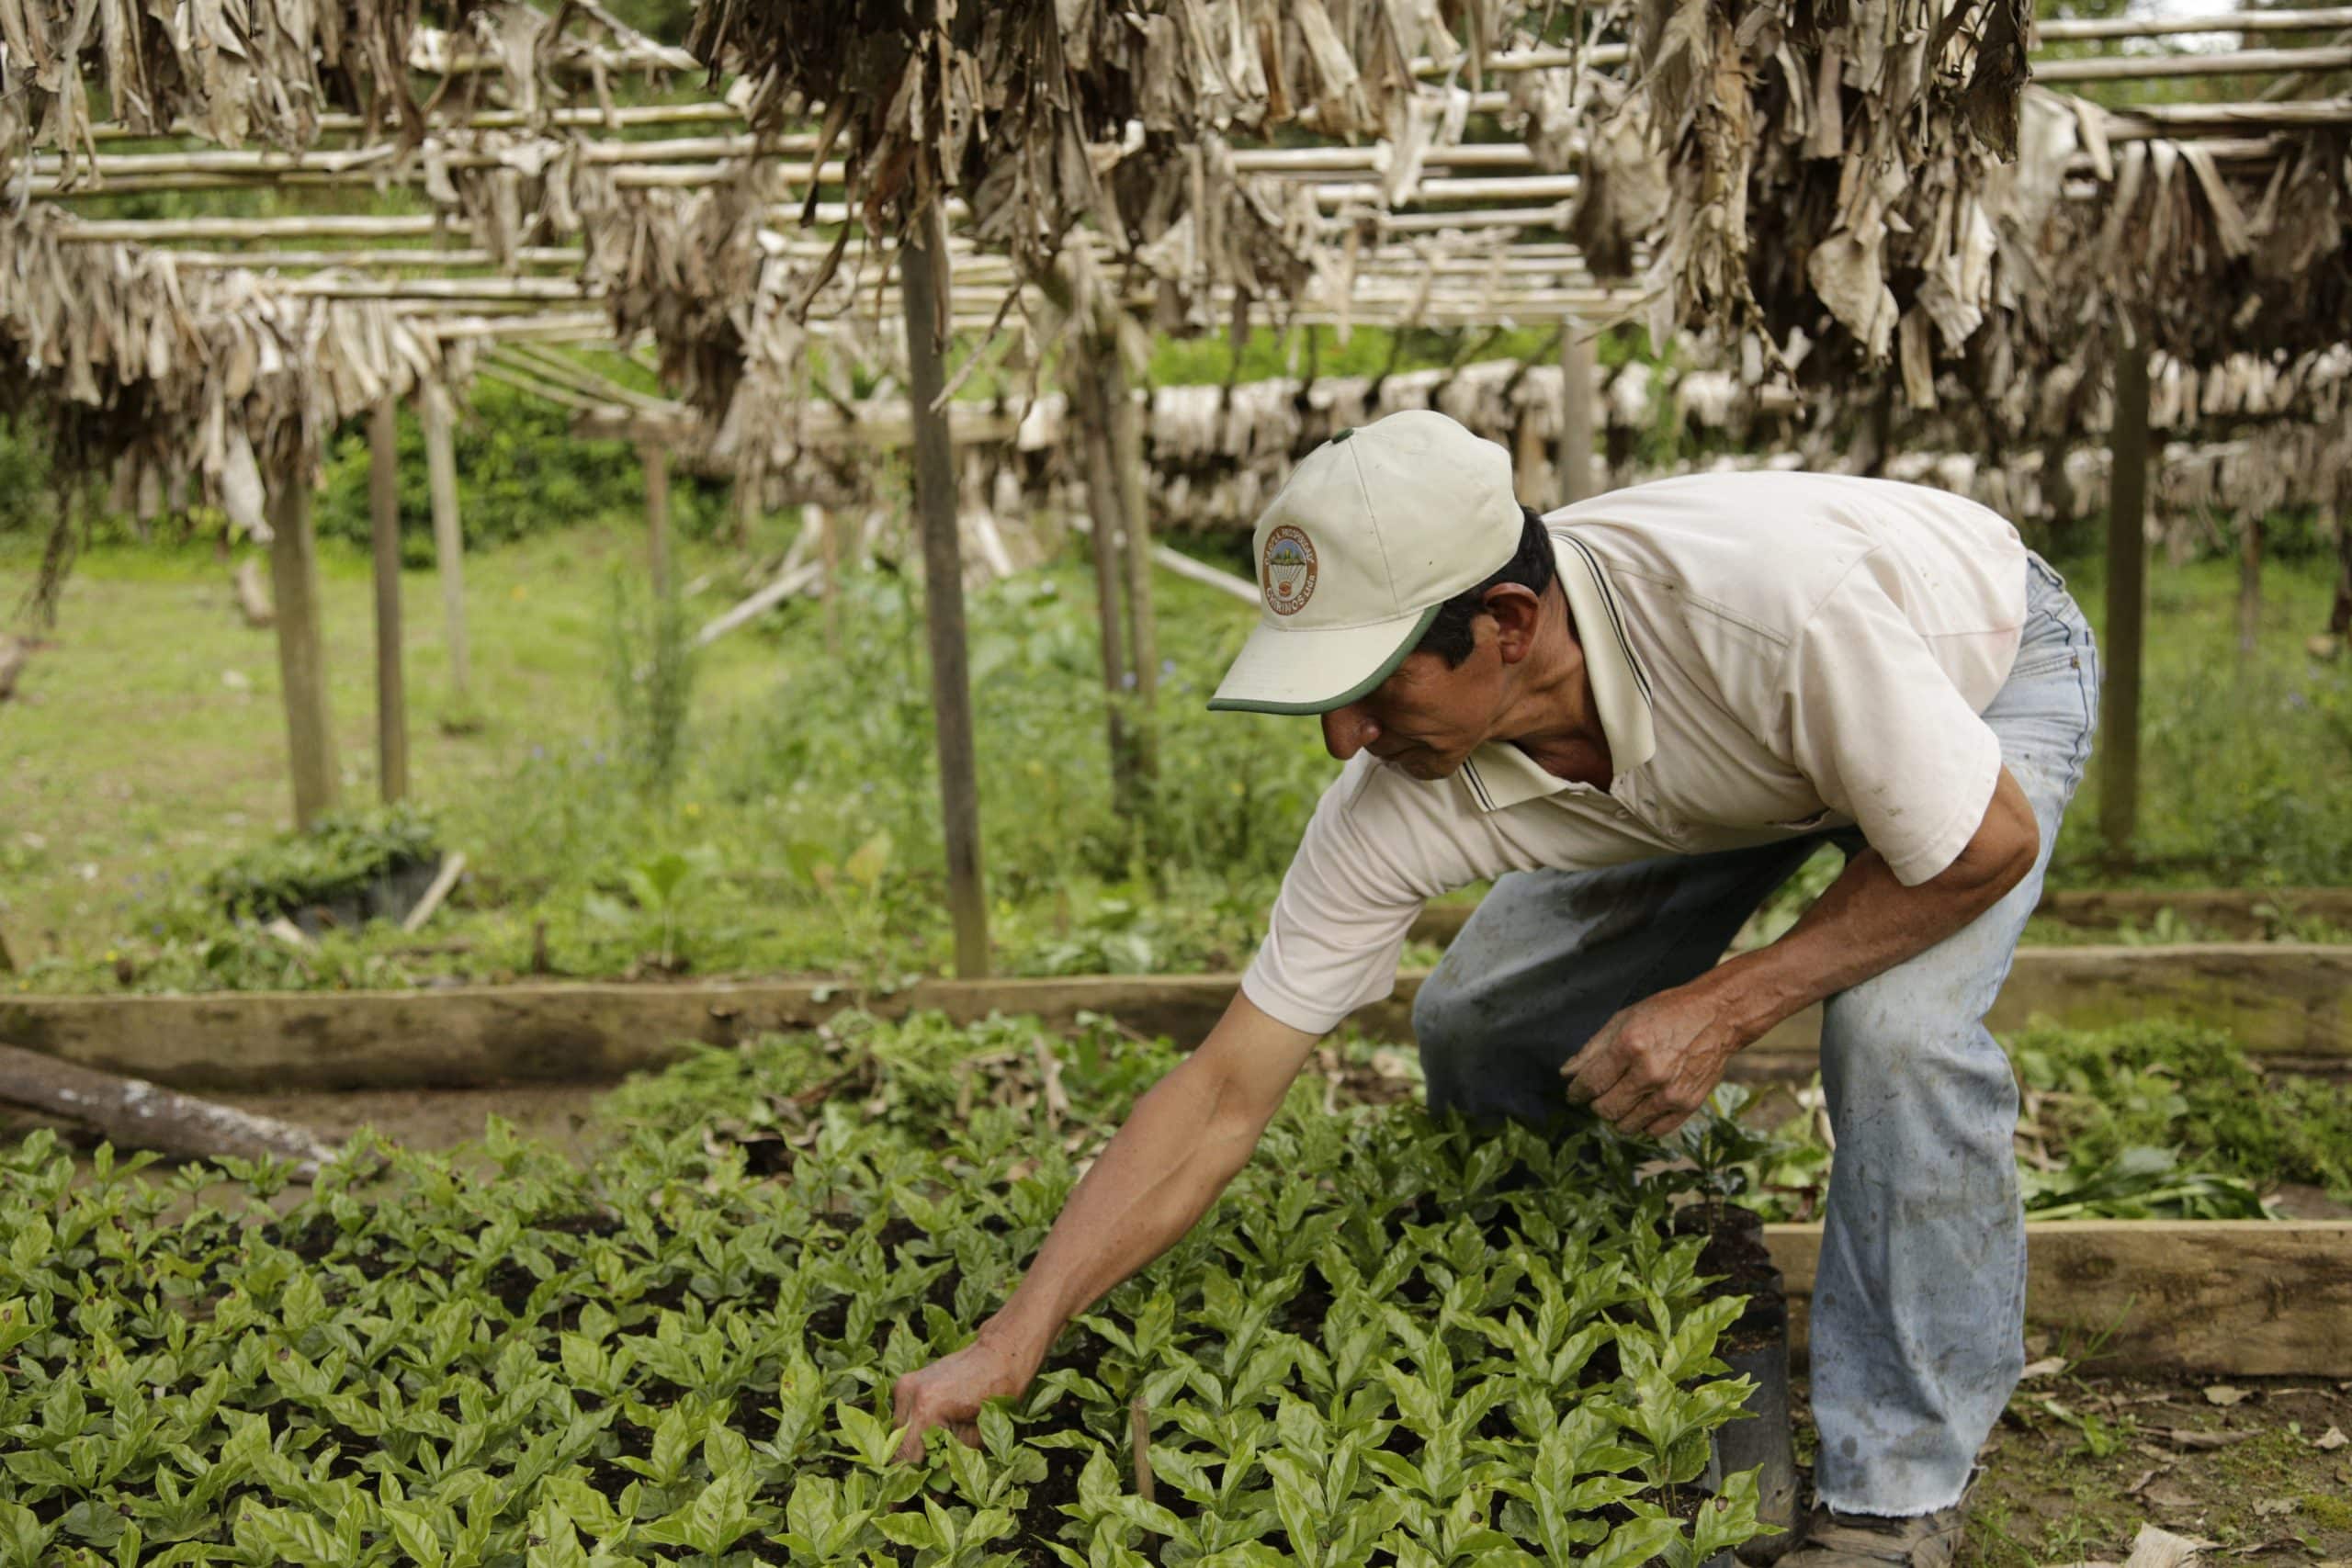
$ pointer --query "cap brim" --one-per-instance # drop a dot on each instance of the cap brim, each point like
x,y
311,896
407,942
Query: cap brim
x,y
1314,671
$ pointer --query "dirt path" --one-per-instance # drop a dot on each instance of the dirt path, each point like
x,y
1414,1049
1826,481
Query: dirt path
x,y
2080,1462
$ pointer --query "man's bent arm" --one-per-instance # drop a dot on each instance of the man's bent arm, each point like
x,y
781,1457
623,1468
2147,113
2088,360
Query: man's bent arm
x,y
1186,1138
1654,1064
1868,921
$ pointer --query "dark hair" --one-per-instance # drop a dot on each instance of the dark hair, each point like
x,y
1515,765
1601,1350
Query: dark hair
x,y
1531,566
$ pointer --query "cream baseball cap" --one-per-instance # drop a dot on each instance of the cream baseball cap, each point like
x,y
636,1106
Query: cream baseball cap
x,y
1371,532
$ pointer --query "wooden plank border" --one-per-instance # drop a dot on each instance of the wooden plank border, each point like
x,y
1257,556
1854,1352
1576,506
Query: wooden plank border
x,y
2291,1004
2239,913
2242,1298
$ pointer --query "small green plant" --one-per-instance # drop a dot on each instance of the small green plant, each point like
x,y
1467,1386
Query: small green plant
x,y
659,886
853,890
336,858
650,662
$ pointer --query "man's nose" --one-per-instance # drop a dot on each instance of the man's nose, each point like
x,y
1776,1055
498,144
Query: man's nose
x,y
1348,730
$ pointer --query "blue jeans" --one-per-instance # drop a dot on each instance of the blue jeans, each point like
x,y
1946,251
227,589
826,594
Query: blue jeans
x,y
1918,1306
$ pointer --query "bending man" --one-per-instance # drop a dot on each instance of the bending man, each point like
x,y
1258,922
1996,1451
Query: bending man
x,y
1641,715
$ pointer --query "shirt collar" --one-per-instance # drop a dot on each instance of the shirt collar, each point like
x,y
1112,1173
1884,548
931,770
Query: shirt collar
x,y
1500,774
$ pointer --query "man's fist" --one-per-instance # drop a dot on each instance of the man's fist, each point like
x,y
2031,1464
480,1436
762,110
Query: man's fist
x,y
1654,1064
949,1392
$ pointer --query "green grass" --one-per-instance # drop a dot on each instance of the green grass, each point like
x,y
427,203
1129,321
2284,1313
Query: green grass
x,y
2245,771
148,742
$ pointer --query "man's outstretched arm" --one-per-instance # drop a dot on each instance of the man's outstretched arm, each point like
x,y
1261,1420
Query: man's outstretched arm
x,y
1188,1137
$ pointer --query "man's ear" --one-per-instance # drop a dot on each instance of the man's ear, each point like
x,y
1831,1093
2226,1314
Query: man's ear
x,y
1516,612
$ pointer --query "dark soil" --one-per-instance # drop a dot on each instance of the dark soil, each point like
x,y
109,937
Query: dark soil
x,y
1736,1252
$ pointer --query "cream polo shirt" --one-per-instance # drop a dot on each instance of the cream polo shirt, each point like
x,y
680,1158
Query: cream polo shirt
x,y
1770,654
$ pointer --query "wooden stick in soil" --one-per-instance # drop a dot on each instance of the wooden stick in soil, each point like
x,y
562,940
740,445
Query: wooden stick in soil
x,y
1139,1425
448,539
134,1113
923,264
384,519
1143,626
453,866
2127,604
301,659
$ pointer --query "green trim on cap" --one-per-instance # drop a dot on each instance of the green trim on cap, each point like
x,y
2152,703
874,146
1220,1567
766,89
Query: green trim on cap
x,y
1354,693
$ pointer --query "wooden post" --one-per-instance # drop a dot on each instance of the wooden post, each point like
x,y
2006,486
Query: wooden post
x,y
1102,501
2127,604
656,458
2339,613
301,661
747,507
384,519
449,540
2249,583
1135,517
1577,482
923,269
829,557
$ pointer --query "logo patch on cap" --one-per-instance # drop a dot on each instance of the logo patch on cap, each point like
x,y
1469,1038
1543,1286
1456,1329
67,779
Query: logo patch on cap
x,y
1287,579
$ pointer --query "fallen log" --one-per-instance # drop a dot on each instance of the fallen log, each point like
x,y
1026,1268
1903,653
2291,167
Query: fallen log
x,y
134,1113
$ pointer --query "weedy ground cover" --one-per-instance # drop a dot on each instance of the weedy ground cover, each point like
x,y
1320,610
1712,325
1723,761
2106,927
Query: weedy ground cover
x,y
1391,1342
2155,1119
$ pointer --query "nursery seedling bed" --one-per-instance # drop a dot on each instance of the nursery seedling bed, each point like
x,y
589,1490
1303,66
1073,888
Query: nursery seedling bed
x,y
2246,1298
2288,1001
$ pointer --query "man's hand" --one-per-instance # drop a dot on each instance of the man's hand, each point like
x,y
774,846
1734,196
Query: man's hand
x,y
1654,1064
949,1392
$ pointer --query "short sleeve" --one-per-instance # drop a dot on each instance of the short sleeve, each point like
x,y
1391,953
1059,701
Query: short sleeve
x,y
1347,902
1888,740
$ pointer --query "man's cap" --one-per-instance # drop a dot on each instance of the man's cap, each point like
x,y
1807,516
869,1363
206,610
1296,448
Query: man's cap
x,y
1371,532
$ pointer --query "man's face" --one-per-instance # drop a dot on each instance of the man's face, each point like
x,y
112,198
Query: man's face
x,y
1425,720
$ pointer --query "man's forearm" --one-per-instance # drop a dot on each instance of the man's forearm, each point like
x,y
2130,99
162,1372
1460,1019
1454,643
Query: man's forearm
x,y
1155,1178
1868,921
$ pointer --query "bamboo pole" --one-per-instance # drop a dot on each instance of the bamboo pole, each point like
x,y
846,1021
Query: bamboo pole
x,y
2106,28
384,527
1135,550
828,556
1104,500
923,263
2339,613
655,456
626,117
301,659
2127,604
2249,584
2154,68
1577,365
448,538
